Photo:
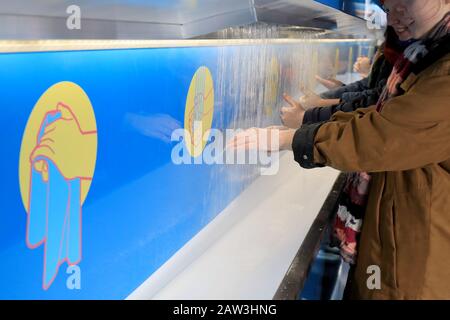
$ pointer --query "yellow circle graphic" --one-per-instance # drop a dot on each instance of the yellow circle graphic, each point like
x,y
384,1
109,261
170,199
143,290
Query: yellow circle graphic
x,y
62,130
199,111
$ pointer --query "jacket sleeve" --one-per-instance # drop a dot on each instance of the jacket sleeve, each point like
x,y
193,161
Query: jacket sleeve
x,y
321,114
371,96
361,99
412,131
352,95
318,114
352,87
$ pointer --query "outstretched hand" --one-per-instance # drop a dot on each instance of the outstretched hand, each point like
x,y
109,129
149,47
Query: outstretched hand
x,y
330,84
292,115
270,139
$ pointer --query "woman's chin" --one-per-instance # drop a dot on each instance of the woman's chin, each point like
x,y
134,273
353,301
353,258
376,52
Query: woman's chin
x,y
405,36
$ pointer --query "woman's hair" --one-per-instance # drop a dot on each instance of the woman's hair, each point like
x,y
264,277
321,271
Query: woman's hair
x,y
391,48
391,39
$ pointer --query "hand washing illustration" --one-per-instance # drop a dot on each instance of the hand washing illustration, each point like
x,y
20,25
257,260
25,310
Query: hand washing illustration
x,y
57,165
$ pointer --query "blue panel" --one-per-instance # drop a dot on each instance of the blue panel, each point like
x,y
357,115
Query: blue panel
x,y
126,237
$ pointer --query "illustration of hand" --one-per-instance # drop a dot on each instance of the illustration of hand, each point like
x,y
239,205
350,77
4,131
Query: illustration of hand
x,y
66,145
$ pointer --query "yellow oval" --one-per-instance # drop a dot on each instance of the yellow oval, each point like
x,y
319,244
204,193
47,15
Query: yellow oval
x,y
69,94
200,110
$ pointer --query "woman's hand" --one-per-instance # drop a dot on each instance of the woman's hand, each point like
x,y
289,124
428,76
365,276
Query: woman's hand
x,y
362,66
270,139
330,84
311,100
292,115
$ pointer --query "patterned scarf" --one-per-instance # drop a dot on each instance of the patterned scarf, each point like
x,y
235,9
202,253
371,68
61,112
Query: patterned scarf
x,y
352,204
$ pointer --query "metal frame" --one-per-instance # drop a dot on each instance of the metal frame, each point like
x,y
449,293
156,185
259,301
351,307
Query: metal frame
x,y
45,19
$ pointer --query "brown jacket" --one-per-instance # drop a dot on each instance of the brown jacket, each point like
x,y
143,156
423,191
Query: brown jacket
x,y
406,147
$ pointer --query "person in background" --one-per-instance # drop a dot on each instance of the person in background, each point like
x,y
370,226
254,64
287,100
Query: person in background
x,y
362,66
349,218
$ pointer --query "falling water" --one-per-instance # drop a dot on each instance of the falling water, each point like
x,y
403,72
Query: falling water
x,y
252,75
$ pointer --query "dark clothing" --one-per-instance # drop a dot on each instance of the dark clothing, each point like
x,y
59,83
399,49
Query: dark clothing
x,y
354,87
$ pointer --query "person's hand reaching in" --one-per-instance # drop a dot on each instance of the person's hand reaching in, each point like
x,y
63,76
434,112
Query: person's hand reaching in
x,y
310,99
330,84
271,139
313,100
362,66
